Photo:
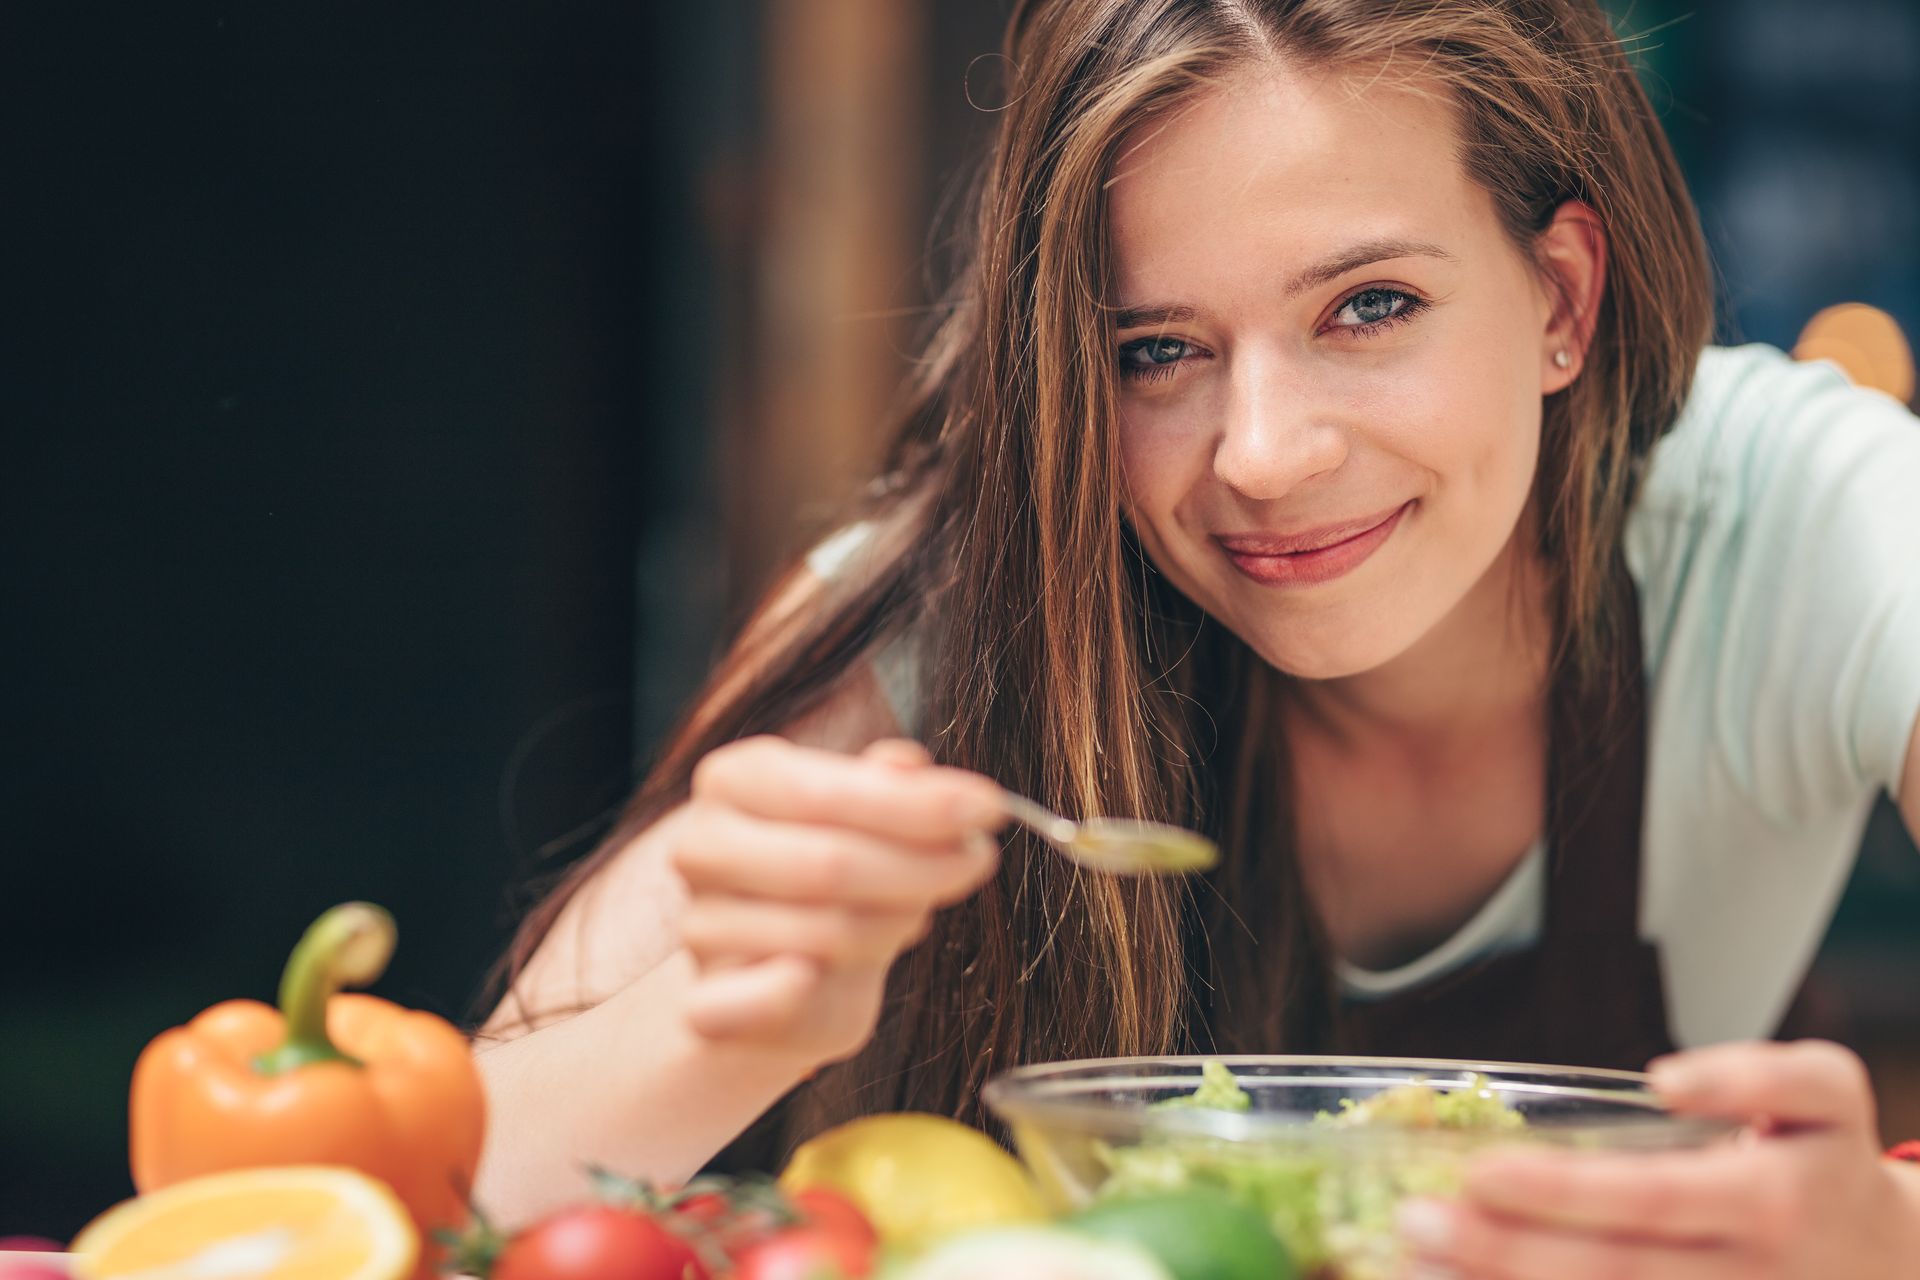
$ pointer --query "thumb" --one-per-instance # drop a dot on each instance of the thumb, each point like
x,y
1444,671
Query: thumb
x,y
1806,1084
898,753
760,1000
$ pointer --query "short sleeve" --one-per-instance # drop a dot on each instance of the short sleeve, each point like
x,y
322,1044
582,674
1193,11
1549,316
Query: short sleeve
x,y
897,662
1792,498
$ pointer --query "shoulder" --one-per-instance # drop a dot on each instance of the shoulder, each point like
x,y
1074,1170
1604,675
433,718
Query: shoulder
x,y
1776,545
1774,465
1754,411
856,709
620,922
894,669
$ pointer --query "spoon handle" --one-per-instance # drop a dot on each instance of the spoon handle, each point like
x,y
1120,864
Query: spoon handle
x,y
1040,818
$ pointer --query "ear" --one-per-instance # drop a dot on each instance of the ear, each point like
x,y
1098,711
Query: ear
x,y
1572,257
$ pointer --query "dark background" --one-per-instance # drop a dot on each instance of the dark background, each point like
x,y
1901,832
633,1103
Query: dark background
x,y
364,495
348,362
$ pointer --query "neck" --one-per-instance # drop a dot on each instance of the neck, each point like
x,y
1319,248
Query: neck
x,y
1485,661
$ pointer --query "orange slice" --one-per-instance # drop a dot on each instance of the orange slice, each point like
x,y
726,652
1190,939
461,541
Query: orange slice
x,y
304,1222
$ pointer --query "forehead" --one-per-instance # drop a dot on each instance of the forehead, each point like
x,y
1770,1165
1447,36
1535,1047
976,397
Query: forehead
x,y
1275,167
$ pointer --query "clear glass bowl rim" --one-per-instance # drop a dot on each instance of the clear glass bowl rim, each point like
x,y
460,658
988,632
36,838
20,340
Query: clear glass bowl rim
x,y
1626,1112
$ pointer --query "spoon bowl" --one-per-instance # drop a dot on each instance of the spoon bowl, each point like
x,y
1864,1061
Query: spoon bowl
x,y
1120,846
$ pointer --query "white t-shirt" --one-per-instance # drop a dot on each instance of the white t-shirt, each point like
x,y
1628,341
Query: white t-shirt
x,y
1776,547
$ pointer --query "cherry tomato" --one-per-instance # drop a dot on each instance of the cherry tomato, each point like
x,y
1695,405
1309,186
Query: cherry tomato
x,y
11,1270
806,1252
15,1270
598,1242
704,1209
31,1268
828,1209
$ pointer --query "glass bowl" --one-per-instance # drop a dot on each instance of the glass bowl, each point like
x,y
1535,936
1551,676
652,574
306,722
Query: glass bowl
x,y
1090,1128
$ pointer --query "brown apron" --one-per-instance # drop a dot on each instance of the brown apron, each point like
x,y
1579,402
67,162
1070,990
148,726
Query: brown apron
x,y
1589,992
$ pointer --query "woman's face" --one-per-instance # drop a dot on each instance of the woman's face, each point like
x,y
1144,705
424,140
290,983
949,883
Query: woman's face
x,y
1332,360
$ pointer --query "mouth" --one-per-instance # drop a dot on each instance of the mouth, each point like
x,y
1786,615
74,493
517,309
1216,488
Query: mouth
x,y
1310,556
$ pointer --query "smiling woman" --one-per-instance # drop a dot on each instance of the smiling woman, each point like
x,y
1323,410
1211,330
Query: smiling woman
x,y
1341,419
1321,449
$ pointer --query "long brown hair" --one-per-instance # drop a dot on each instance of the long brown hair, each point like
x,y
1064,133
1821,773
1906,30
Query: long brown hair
x,y
1059,662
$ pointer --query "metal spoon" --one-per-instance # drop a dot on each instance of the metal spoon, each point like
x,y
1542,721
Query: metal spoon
x,y
1123,846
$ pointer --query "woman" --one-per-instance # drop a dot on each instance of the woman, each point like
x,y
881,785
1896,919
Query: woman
x,y
1312,453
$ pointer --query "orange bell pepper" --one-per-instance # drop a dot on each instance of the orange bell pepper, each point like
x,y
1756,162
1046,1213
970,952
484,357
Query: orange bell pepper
x,y
325,1079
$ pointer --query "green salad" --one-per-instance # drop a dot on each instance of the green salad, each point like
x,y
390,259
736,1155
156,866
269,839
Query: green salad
x,y
1334,1210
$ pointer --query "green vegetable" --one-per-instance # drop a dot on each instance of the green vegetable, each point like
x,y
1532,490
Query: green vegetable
x,y
1327,1208
1197,1234
1284,1188
1421,1106
1218,1091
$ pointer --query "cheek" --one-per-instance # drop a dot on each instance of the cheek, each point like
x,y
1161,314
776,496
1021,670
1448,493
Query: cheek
x,y
1162,458
1470,418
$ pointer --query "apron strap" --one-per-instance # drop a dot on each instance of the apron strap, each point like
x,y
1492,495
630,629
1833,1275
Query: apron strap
x,y
1597,769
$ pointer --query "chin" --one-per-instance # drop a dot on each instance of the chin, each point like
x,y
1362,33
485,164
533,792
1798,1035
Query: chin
x,y
1327,661
1345,632
1328,648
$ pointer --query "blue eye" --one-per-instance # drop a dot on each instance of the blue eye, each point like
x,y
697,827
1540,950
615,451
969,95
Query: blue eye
x,y
1150,351
1374,309
1155,357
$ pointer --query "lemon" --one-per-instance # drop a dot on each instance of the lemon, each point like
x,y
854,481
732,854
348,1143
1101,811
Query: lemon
x,y
917,1177
303,1222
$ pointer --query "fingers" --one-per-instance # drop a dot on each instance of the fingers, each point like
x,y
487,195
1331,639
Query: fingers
x,y
722,930
808,872
727,853
1459,1241
884,793
898,753
1809,1083
1682,1197
758,1001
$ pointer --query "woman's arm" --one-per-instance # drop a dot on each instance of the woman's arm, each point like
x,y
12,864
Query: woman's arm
x,y
626,1084
611,1071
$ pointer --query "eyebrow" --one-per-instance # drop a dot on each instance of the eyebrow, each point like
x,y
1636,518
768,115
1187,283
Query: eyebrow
x,y
1366,253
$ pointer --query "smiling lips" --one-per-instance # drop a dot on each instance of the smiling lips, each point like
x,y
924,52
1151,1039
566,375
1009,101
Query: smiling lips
x,y
1312,556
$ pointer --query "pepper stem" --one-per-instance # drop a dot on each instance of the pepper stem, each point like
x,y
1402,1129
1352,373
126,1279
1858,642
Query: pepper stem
x,y
349,946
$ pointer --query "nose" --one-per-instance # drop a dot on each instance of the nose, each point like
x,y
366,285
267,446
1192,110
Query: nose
x,y
1276,431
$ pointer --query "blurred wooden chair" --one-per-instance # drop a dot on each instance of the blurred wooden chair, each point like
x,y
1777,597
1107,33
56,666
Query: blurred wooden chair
x,y
1866,343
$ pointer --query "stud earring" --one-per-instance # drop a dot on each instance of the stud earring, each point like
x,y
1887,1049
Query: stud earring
x,y
1562,360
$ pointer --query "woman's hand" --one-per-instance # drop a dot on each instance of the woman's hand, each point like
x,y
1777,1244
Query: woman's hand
x,y
808,873
1805,1194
